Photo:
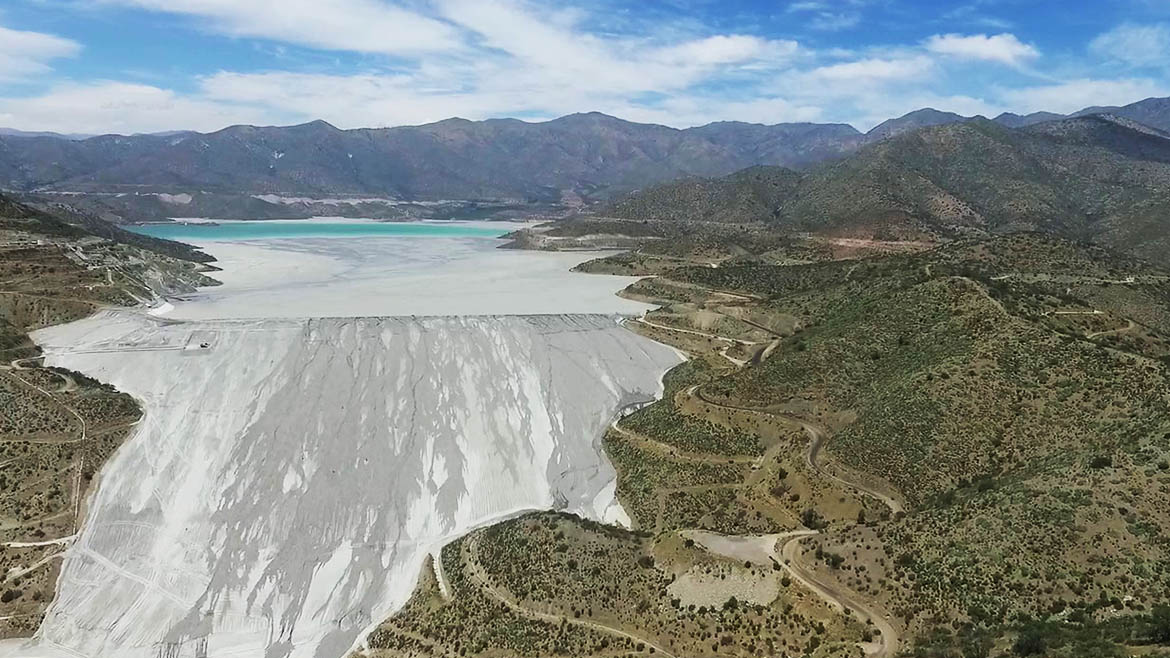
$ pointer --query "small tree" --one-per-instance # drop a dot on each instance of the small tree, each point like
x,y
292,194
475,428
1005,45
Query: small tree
x,y
1031,642
1160,624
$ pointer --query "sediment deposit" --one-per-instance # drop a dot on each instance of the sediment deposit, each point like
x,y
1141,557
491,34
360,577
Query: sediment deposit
x,y
289,476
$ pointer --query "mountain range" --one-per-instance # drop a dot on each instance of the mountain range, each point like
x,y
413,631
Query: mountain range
x,y
1100,178
591,156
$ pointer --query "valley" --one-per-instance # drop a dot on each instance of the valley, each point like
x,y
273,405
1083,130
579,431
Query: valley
x,y
906,403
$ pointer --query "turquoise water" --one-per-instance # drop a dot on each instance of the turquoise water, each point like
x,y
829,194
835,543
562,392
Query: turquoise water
x,y
270,230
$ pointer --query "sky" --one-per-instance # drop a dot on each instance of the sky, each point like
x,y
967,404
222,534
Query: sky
x,y
129,66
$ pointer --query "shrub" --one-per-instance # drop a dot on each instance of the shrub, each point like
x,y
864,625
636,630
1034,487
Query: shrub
x,y
812,519
1031,642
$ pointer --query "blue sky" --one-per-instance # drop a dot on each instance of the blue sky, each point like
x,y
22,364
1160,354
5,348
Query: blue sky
x,y
126,66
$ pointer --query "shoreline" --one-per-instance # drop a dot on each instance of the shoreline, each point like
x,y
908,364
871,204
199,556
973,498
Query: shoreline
x,y
339,219
389,277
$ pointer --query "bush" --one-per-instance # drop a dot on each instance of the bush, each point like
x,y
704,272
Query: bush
x,y
1160,624
811,519
1031,642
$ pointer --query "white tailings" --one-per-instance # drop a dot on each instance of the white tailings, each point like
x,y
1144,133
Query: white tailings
x,y
289,476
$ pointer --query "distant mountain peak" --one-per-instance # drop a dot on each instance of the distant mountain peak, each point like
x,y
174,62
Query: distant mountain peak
x,y
1013,120
927,116
928,112
317,124
595,117
12,132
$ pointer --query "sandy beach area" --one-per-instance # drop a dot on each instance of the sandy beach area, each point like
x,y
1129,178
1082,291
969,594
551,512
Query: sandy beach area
x,y
381,276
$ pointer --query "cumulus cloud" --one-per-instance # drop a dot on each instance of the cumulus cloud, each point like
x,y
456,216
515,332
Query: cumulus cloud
x,y
524,62
1136,44
1002,48
513,59
26,54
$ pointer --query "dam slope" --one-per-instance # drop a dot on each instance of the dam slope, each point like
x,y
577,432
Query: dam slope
x,y
289,476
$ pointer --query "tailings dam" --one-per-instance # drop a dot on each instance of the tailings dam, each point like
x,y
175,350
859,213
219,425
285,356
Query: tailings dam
x,y
312,429
289,476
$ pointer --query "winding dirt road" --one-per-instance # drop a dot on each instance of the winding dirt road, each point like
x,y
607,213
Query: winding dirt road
x,y
784,549
887,641
681,455
817,438
737,341
1130,326
70,386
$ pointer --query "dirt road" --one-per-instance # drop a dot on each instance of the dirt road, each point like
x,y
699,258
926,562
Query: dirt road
x,y
887,640
817,438
477,574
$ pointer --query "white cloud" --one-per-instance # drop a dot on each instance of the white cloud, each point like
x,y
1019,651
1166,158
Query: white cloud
x,y
873,71
834,22
490,58
513,59
696,110
368,26
120,107
26,54
726,49
1074,95
521,47
1138,45
360,100
1002,48
829,16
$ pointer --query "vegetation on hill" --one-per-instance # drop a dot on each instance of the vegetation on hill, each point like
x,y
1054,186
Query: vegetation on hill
x,y
750,195
58,427
585,155
913,121
1006,389
975,440
1100,178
